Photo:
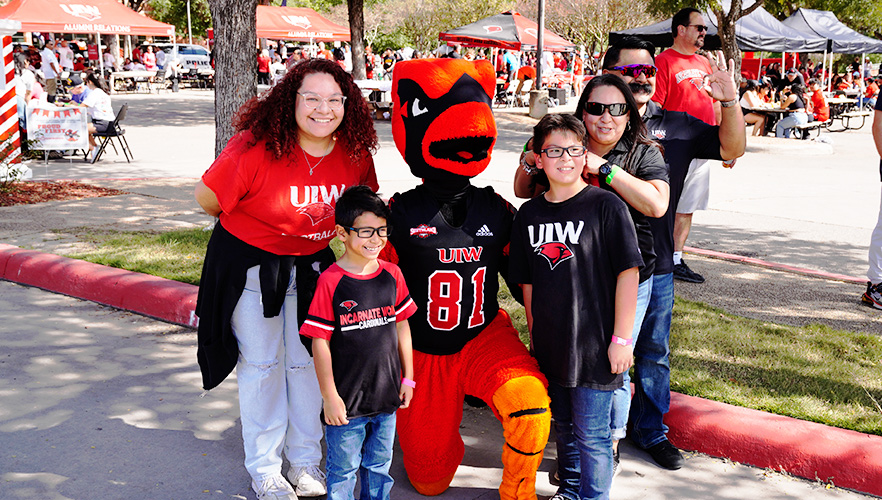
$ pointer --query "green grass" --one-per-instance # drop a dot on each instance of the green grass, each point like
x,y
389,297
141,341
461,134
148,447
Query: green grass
x,y
176,255
812,373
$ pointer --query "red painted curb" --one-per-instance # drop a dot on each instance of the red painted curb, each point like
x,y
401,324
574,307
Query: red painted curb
x,y
774,265
159,298
814,451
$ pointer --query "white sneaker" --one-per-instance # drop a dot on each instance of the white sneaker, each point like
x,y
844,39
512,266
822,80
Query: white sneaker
x,y
309,480
273,488
93,154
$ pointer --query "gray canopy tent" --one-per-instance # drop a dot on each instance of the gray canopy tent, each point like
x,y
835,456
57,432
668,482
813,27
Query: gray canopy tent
x,y
841,39
758,31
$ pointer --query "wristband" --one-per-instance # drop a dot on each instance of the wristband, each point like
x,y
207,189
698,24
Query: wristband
x,y
612,173
621,341
728,104
525,145
408,382
528,169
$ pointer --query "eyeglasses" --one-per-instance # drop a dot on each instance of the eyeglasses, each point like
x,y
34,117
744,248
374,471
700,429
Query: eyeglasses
x,y
597,108
313,101
367,232
557,152
699,27
635,70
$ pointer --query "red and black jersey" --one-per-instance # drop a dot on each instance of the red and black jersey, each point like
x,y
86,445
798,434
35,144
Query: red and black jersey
x,y
357,314
452,272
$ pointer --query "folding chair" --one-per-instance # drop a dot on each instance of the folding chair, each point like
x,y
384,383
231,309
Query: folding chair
x,y
160,81
115,130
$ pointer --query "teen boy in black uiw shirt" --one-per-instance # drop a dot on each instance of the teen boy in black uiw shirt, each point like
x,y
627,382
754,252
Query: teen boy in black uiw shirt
x,y
575,251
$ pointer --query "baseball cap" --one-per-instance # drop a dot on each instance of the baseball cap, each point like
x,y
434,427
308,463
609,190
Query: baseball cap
x,y
73,80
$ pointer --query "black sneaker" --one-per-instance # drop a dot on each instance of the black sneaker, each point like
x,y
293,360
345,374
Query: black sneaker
x,y
617,469
873,296
683,273
666,455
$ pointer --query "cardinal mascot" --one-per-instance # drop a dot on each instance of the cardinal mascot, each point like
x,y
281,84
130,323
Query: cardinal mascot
x,y
451,240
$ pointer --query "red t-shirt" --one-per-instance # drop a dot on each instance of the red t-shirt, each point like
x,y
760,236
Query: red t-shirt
x,y
820,107
678,85
872,90
275,204
526,73
263,63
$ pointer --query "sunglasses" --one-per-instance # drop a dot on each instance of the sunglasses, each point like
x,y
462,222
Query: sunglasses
x,y
597,108
699,27
635,70
367,232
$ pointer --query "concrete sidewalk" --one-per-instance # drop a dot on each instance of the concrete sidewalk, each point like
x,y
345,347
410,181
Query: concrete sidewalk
x,y
103,404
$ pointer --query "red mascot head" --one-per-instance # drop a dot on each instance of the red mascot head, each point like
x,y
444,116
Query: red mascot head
x,y
442,119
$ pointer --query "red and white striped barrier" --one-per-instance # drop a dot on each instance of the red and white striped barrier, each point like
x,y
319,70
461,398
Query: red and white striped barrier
x,y
9,132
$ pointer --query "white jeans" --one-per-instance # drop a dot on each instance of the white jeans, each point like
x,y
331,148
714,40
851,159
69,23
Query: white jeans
x,y
875,272
279,398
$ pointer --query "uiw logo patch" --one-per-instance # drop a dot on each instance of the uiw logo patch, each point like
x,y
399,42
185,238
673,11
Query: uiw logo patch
x,y
87,12
299,21
551,239
349,304
555,253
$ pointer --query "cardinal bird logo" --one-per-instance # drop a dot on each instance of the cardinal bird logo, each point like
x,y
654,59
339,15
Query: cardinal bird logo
x,y
348,304
554,252
317,212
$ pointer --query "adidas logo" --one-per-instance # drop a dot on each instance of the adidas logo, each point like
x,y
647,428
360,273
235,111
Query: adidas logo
x,y
484,231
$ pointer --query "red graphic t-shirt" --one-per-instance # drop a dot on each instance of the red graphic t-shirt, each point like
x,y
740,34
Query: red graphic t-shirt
x,y
678,85
275,204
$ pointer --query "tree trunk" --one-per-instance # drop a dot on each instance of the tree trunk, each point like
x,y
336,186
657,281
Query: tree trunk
x,y
726,23
356,28
235,77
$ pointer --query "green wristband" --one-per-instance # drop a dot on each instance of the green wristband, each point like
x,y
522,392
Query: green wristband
x,y
612,173
525,145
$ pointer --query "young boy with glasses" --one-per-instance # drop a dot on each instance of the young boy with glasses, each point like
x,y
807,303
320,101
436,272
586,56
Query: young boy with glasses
x,y
362,349
574,250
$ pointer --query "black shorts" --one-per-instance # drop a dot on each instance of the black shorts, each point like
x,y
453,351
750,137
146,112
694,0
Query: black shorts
x,y
101,125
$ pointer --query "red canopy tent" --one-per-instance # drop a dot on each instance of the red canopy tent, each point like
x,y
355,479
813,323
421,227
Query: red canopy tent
x,y
297,23
107,17
508,30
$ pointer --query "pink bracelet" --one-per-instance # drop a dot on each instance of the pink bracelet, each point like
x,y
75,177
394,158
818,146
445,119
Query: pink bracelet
x,y
408,382
621,341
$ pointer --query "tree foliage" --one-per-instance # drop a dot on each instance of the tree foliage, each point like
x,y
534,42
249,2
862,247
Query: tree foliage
x,y
175,12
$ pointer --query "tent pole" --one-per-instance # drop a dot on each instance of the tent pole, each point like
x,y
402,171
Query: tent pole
x,y
824,62
100,55
759,69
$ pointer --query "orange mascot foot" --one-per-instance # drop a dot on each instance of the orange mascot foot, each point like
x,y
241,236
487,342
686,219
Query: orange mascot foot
x,y
526,420
432,489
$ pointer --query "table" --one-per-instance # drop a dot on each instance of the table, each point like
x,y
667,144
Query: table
x,y
130,76
375,88
772,116
840,100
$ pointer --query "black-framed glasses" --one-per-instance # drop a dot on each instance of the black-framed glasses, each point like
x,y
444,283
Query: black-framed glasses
x,y
635,70
313,101
557,152
367,232
597,108
699,27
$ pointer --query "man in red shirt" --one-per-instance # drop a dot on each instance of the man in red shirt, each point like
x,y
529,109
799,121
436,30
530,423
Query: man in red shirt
x,y
872,92
821,109
681,86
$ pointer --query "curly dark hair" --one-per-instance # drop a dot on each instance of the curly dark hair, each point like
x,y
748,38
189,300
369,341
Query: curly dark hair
x,y
270,116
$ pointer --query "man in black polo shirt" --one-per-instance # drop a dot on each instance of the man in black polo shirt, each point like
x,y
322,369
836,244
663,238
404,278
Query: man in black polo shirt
x,y
684,138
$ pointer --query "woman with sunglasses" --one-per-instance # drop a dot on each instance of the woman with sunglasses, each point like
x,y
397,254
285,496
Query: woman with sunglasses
x,y
274,188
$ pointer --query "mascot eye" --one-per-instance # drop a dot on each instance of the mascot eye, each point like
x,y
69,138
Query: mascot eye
x,y
417,111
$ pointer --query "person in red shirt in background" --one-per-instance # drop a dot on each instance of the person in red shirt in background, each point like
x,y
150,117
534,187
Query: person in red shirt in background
x,y
263,67
872,92
821,110
79,65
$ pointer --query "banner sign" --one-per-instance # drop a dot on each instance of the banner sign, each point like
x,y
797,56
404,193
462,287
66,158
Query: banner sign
x,y
56,128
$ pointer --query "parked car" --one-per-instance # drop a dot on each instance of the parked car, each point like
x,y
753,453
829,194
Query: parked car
x,y
188,57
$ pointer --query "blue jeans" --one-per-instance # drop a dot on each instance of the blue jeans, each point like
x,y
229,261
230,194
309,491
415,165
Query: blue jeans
x,y
364,445
584,443
622,396
783,127
652,366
